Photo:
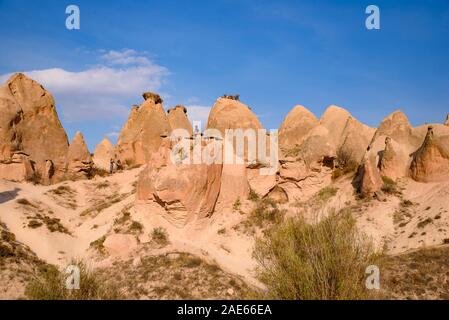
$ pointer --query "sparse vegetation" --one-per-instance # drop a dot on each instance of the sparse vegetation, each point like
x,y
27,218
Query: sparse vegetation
x,y
25,202
326,193
65,196
98,244
389,186
345,164
253,195
160,236
266,212
326,260
237,204
50,285
95,171
185,277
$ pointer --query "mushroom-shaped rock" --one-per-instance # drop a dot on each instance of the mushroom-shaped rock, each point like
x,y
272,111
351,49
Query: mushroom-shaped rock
x,y
151,96
79,161
143,132
177,118
103,154
431,161
29,123
296,126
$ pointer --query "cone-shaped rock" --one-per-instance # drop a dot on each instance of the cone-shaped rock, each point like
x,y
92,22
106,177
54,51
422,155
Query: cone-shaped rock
x,y
431,161
29,124
143,132
79,161
103,154
177,118
296,126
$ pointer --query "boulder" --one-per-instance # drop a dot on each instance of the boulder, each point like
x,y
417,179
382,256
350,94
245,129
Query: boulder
x,y
431,161
30,124
18,168
177,118
142,134
103,154
79,161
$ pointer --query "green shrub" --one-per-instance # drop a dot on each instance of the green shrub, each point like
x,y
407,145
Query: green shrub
x,y
266,211
327,260
50,285
327,193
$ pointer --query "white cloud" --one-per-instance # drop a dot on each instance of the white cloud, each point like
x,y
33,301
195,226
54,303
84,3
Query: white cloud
x,y
113,134
198,113
103,91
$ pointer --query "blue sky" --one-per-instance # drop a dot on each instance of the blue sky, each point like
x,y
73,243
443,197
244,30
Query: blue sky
x,y
275,54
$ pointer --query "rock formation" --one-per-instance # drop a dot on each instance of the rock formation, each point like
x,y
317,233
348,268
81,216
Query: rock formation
x,y
232,114
103,154
30,126
184,191
79,161
177,118
447,120
296,126
143,132
431,161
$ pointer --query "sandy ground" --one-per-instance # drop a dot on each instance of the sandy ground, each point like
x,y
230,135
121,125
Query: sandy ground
x,y
417,218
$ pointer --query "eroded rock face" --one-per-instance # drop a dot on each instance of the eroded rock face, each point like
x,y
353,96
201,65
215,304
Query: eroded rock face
x,y
185,191
29,124
18,168
79,161
177,118
103,154
431,161
142,134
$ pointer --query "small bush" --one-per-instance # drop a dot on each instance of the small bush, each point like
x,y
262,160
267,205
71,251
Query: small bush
x,y
253,195
24,202
50,285
266,211
136,226
327,193
345,164
389,186
160,236
237,204
327,260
